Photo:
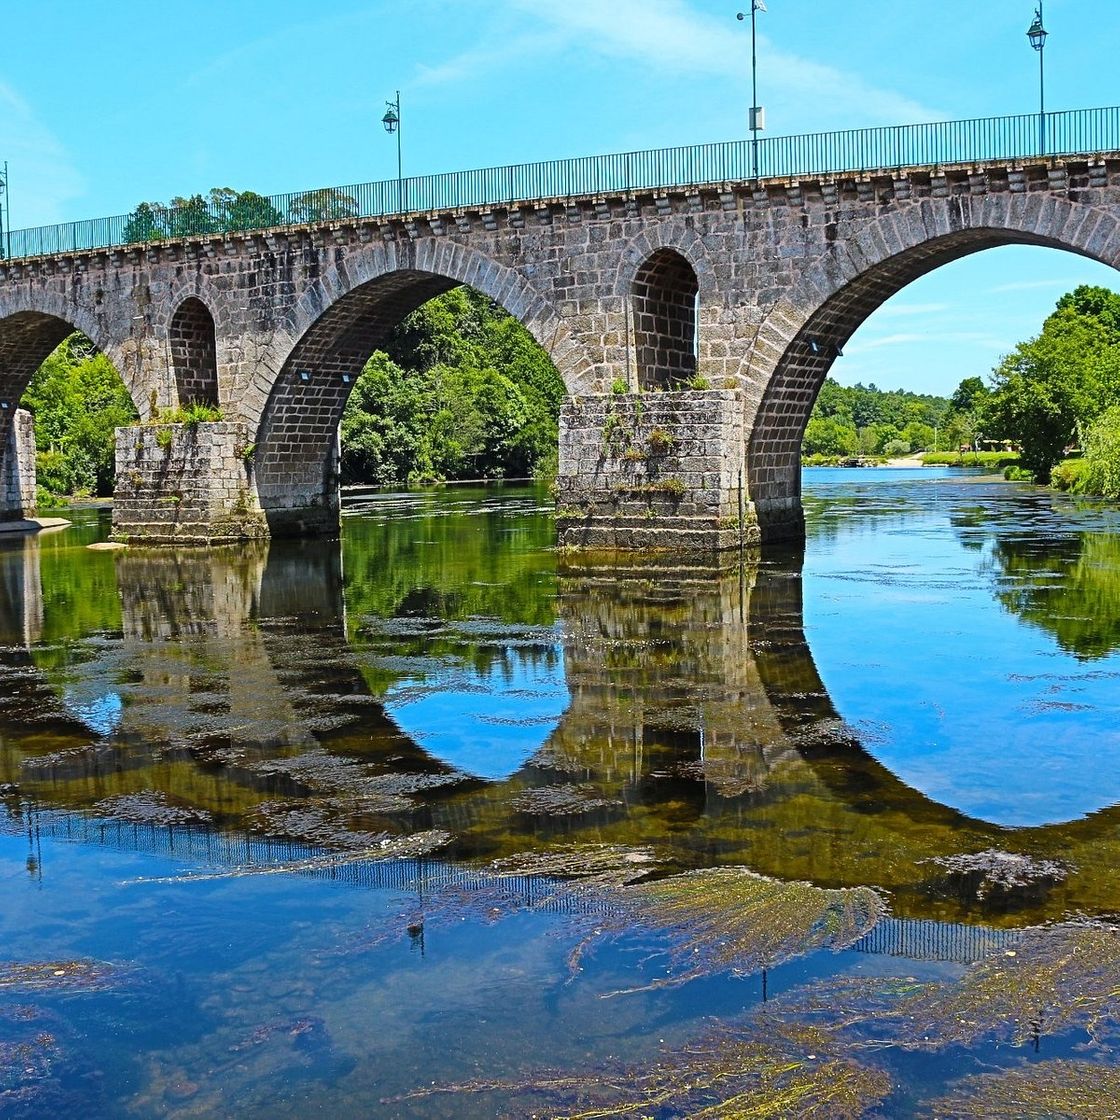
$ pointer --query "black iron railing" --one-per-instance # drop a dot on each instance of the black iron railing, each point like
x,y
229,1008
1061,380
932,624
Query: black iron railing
x,y
1075,132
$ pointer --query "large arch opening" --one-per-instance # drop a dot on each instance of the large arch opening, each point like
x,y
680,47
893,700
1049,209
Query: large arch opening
x,y
829,334
76,398
664,298
410,377
194,354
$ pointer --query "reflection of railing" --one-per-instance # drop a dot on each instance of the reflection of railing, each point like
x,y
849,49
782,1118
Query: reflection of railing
x,y
1077,131
211,848
934,941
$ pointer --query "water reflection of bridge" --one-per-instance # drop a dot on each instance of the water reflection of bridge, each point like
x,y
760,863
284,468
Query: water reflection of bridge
x,y
697,720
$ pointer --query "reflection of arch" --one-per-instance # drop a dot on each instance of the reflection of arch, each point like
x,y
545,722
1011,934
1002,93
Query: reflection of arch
x,y
664,297
805,333
729,723
333,330
194,353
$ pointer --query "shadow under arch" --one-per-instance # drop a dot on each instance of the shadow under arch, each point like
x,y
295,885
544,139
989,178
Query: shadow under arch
x,y
809,330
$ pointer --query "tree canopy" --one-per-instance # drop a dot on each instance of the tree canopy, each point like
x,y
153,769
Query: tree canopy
x,y
1050,389
461,390
77,399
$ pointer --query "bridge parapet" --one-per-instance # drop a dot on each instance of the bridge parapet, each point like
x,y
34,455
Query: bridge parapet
x,y
660,282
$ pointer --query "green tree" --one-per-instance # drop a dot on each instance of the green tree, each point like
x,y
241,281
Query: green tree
x,y
327,205
78,400
243,210
1050,388
831,436
461,390
145,223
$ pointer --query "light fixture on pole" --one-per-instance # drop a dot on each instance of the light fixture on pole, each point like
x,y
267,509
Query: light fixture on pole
x,y
392,123
757,120
5,214
1036,33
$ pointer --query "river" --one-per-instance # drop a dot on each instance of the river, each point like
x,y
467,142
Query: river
x,y
435,822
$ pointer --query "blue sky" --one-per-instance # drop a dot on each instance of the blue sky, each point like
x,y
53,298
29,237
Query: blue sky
x,y
104,105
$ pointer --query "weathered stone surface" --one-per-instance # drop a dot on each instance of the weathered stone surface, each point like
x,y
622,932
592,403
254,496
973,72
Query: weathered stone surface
x,y
17,465
740,286
653,471
185,484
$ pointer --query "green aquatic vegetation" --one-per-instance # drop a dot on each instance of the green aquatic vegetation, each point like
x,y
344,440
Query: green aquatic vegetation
x,y
326,821
729,918
1056,979
150,807
601,864
49,976
385,848
561,801
1058,1090
726,1075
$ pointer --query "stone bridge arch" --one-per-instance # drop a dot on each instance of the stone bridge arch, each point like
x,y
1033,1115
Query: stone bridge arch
x,y
32,325
295,404
863,267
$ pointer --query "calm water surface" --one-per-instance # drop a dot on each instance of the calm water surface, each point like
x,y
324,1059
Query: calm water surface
x,y
201,752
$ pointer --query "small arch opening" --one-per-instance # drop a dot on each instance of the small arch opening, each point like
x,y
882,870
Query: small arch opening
x,y
194,354
665,297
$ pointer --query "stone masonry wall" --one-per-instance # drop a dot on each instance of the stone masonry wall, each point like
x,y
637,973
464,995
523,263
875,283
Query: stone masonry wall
x,y
17,469
785,270
185,484
653,471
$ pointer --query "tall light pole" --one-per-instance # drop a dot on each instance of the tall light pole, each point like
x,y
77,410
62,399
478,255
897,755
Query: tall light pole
x,y
5,214
392,123
757,115
1037,35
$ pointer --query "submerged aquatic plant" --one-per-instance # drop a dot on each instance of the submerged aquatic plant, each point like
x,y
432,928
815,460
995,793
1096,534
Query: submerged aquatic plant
x,y
727,1075
1060,1090
1054,980
1058,978
730,918
49,976
561,801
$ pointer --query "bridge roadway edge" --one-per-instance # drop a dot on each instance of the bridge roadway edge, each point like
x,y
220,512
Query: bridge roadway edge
x,y
785,270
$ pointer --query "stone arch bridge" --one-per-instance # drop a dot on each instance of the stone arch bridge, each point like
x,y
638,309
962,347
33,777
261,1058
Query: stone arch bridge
x,y
693,327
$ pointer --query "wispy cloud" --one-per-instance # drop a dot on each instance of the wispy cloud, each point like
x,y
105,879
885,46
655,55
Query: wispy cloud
x,y
909,338
900,310
673,37
44,177
1037,285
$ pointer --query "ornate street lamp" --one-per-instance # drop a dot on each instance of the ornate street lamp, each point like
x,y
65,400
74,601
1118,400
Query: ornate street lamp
x,y
5,214
1036,33
392,123
757,120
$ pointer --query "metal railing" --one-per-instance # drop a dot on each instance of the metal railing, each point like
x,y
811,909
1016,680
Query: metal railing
x,y
1074,132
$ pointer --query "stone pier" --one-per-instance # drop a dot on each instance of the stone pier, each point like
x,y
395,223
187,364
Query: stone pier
x,y
657,471
185,484
17,467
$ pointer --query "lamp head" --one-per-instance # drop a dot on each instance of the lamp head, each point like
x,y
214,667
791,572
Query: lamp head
x,y
392,117
1037,33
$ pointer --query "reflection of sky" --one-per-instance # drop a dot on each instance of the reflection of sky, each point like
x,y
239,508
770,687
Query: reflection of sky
x,y
960,699
486,723
101,714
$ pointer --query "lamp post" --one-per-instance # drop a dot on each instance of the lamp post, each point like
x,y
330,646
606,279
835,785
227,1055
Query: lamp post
x,y
1037,36
5,214
392,123
757,120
